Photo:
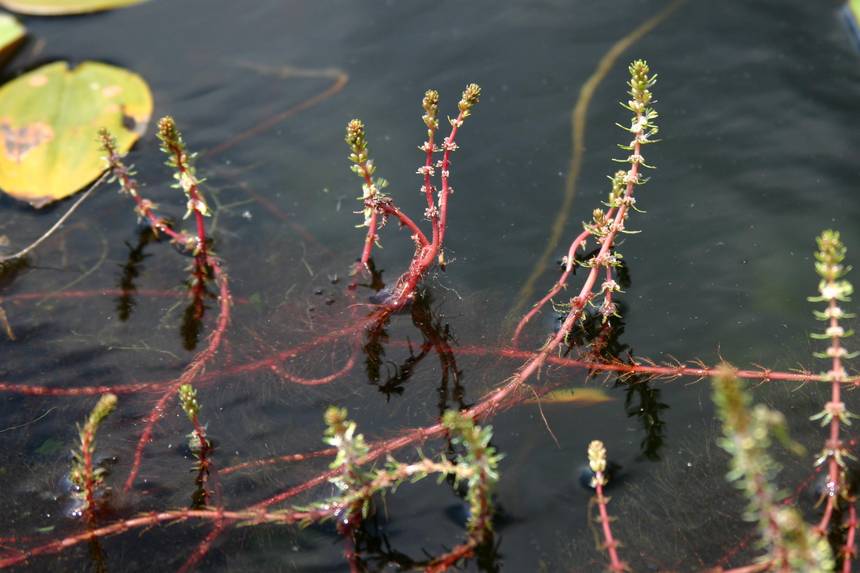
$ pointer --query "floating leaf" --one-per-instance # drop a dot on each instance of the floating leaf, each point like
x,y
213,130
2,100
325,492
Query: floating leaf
x,y
48,124
580,396
11,34
61,7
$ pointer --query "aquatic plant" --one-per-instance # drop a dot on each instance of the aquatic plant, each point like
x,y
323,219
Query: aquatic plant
x,y
205,263
472,463
833,289
198,443
606,225
85,477
790,544
475,466
351,476
378,206
597,464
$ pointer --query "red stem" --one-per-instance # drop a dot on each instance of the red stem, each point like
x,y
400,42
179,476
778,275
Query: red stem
x,y
204,443
611,544
371,237
146,436
144,207
204,546
154,518
560,284
350,364
833,486
205,468
449,559
499,397
764,375
192,371
429,149
446,189
29,390
369,240
426,254
328,452
89,482
514,354
407,222
848,550
180,157
201,226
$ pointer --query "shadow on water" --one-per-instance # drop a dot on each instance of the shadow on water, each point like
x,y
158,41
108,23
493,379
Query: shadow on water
x,y
131,270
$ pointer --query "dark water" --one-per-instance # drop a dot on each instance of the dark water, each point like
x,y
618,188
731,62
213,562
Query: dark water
x,y
759,119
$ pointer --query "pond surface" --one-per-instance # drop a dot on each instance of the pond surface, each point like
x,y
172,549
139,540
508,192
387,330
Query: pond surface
x,y
759,119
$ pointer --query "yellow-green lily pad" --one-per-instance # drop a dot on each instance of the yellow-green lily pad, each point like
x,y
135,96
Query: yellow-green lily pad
x,y
49,120
11,34
62,7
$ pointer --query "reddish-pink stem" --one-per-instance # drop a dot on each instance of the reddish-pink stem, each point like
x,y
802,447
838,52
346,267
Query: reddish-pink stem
x,y
446,189
200,432
144,207
416,435
369,240
146,435
764,375
610,543
833,445
201,226
407,222
425,256
192,371
89,480
387,208
433,211
328,452
204,546
205,468
79,294
29,390
849,550
180,160
301,380
560,284
203,260
449,559
515,354
154,518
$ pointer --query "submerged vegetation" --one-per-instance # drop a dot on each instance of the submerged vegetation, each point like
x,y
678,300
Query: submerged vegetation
x,y
364,473
790,544
84,475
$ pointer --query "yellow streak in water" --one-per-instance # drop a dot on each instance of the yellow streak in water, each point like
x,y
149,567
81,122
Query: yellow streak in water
x,y
580,396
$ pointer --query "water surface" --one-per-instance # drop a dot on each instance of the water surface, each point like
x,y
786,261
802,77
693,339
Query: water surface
x,y
759,106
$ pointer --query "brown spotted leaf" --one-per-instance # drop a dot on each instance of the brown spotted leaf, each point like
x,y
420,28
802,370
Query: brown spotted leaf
x,y
49,119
